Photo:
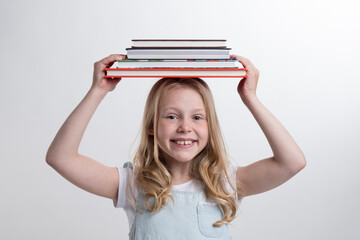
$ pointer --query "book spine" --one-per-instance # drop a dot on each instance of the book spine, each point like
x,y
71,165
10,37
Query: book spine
x,y
175,69
175,76
183,60
178,40
177,48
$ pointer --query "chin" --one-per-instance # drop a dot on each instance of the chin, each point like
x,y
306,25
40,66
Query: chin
x,y
183,159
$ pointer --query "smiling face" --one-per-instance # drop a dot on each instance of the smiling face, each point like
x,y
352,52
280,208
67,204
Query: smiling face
x,y
182,126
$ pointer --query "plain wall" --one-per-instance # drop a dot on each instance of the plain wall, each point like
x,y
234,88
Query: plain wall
x,y
308,56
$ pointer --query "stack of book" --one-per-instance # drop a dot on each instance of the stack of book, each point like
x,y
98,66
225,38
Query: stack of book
x,y
177,58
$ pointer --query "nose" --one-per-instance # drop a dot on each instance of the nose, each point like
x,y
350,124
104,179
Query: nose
x,y
184,126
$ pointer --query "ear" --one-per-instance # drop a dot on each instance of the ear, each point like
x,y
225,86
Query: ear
x,y
151,132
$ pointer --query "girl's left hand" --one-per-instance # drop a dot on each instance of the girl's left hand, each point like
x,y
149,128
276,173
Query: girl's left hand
x,y
247,86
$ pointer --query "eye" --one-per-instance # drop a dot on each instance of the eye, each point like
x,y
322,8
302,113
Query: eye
x,y
198,118
171,117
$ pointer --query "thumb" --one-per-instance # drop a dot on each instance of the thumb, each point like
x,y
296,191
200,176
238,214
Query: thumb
x,y
241,85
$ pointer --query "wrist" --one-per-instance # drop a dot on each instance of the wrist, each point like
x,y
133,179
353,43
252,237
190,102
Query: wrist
x,y
249,98
97,92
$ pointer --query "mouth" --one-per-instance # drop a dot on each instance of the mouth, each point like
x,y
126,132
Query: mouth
x,y
184,142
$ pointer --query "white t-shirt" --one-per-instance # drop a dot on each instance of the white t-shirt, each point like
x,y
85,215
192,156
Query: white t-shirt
x,y
123,201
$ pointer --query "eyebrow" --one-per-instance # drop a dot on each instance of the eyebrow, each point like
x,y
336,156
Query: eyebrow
x,y
193,110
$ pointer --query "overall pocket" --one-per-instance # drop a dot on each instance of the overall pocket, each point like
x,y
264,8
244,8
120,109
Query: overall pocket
x,y
208,213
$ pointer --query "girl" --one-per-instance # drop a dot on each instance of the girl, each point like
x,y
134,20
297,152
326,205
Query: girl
x,y
181,185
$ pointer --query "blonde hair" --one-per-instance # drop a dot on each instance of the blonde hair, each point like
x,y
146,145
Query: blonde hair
x,y
210,166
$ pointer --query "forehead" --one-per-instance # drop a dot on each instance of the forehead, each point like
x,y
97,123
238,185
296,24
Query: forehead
x,y
182,97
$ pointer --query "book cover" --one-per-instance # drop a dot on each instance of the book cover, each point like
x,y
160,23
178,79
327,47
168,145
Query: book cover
x,y
178,53
176,72
165,63
179,42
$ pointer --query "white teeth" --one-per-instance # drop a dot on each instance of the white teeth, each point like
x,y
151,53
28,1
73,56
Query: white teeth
x,y
184,142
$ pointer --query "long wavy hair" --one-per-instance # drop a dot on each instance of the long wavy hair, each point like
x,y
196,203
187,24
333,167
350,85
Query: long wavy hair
x,y
210,166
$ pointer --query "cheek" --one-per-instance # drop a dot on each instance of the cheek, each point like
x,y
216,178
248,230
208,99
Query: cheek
x,y
204,131
164,129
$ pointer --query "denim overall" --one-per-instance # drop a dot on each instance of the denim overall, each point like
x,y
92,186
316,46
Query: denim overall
x,y
191,216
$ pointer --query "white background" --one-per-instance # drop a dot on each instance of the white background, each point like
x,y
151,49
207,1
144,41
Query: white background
x,y
308,56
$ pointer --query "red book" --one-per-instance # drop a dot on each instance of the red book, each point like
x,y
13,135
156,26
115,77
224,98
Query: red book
x,y
176,72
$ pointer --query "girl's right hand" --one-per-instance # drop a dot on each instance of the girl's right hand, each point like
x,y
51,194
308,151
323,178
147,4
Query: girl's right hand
x,y
99,80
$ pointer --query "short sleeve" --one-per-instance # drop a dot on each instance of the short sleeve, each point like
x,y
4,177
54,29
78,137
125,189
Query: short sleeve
x,y
122,199
232,176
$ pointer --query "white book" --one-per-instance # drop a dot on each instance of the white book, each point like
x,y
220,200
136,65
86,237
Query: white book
x,y
178,53
179,43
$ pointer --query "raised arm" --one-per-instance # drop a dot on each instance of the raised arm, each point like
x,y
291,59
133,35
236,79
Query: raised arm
x,y
63,155
288,158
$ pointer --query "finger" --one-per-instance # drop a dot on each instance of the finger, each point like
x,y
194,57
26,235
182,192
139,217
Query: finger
x,y
246,63
114,79
233,56
238,57
241,84
112,58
